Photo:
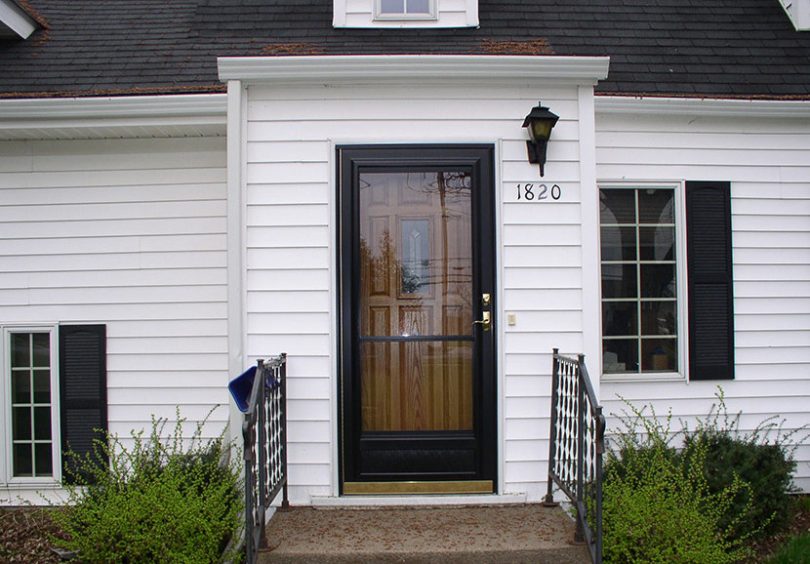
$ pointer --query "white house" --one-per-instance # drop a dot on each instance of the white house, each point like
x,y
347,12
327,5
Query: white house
x,y
186,187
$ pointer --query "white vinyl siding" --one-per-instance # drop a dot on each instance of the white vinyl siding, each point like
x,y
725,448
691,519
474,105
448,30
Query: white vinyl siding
x,y
129,233
291,253
767,162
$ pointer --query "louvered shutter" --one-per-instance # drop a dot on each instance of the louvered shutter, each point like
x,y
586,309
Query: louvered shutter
x,y
83,387
710,281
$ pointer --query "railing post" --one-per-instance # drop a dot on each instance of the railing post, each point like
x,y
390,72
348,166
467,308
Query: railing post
x,y
262,451
552,444
580,433
600,449
285,502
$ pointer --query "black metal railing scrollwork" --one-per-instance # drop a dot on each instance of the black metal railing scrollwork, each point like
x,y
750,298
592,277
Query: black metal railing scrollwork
x,y
576,446
264,431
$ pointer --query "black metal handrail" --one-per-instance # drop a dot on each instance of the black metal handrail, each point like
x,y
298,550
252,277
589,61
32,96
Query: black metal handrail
x,y
576,446
264,431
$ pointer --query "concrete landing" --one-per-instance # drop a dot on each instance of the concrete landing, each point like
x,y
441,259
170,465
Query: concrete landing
x,y
470,535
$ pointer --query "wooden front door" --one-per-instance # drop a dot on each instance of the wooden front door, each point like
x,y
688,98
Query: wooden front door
x,y
416,319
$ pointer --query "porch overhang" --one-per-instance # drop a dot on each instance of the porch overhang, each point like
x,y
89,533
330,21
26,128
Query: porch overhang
x,y
571,70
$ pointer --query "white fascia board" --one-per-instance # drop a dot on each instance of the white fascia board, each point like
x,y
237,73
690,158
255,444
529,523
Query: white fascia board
x,y
123,107
16,20
799,13
580,70
702,107
67,117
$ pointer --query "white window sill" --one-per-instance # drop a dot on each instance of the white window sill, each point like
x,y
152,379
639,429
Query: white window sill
x,y
649,377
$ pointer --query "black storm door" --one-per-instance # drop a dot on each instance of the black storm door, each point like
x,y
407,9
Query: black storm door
x,y
417,345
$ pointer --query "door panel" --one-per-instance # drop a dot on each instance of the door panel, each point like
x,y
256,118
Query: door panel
x,y
417,375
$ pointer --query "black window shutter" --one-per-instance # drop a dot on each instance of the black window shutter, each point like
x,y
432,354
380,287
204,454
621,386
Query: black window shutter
x,y
710,281
83,388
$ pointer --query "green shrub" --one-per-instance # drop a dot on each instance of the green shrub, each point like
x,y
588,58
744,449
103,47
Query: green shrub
x,y
657,509
155,501
760,458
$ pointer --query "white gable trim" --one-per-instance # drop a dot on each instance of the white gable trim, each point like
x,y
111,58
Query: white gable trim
x,y
799,13
697,106
14,21
126,115
578,70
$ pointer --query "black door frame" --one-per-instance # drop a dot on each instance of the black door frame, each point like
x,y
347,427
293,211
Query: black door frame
x,y
479,160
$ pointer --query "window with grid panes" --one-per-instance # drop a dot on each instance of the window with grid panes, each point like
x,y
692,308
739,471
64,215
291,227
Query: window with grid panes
x,y
30,372
405,8
639,280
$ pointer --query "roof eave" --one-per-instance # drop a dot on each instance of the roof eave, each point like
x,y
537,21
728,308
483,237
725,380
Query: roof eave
x,y
643,105
381,67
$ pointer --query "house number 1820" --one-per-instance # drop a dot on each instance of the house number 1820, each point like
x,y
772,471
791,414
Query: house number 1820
x,y
538,192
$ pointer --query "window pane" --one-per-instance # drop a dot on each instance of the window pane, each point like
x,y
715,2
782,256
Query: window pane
x,y
42,350
658,318
619,281
418,6
618,243
620,318
392,6
658,281
21,424
656,206
617,206
657,243
23,463
21,386
620,356
659,355
42,386
44,460
20,350
42,423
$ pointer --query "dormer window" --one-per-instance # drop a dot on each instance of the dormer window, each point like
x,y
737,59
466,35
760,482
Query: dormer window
x,y
404,14
405,9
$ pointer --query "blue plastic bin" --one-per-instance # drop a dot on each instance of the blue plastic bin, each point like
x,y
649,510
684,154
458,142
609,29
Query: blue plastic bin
x,y
240,388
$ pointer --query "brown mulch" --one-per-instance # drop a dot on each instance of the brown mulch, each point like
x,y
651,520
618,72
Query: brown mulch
x,y
25,535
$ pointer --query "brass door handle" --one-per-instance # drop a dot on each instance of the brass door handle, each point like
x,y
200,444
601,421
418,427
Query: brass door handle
x,y
486,322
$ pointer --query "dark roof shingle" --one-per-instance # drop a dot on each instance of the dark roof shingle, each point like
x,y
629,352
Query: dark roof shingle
x,y
724,48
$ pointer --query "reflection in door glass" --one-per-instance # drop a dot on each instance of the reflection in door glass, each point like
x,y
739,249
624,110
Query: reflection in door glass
x,y
415,298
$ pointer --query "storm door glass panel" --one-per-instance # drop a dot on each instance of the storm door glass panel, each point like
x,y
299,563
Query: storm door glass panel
x,y
415,300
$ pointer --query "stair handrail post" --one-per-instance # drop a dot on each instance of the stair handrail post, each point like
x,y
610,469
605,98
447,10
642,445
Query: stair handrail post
x,y
580,431
260,380
285,502
552,444
600,450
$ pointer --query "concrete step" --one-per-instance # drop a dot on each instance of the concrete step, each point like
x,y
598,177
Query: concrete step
x,y
527,533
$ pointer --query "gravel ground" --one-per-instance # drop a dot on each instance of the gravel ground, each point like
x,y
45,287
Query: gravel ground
x,y
25,535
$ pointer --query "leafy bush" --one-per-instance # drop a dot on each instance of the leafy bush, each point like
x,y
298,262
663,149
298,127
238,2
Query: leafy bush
x,y
657,509
761,458
155,501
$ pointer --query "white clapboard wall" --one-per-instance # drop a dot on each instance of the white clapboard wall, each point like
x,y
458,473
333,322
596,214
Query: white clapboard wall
x,y
767,162
291,255
130,233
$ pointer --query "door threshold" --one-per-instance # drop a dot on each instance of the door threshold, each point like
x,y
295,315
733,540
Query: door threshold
x,y
425,488
412,500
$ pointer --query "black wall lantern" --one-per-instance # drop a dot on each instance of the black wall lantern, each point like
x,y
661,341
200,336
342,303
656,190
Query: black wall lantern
x,y
540,122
